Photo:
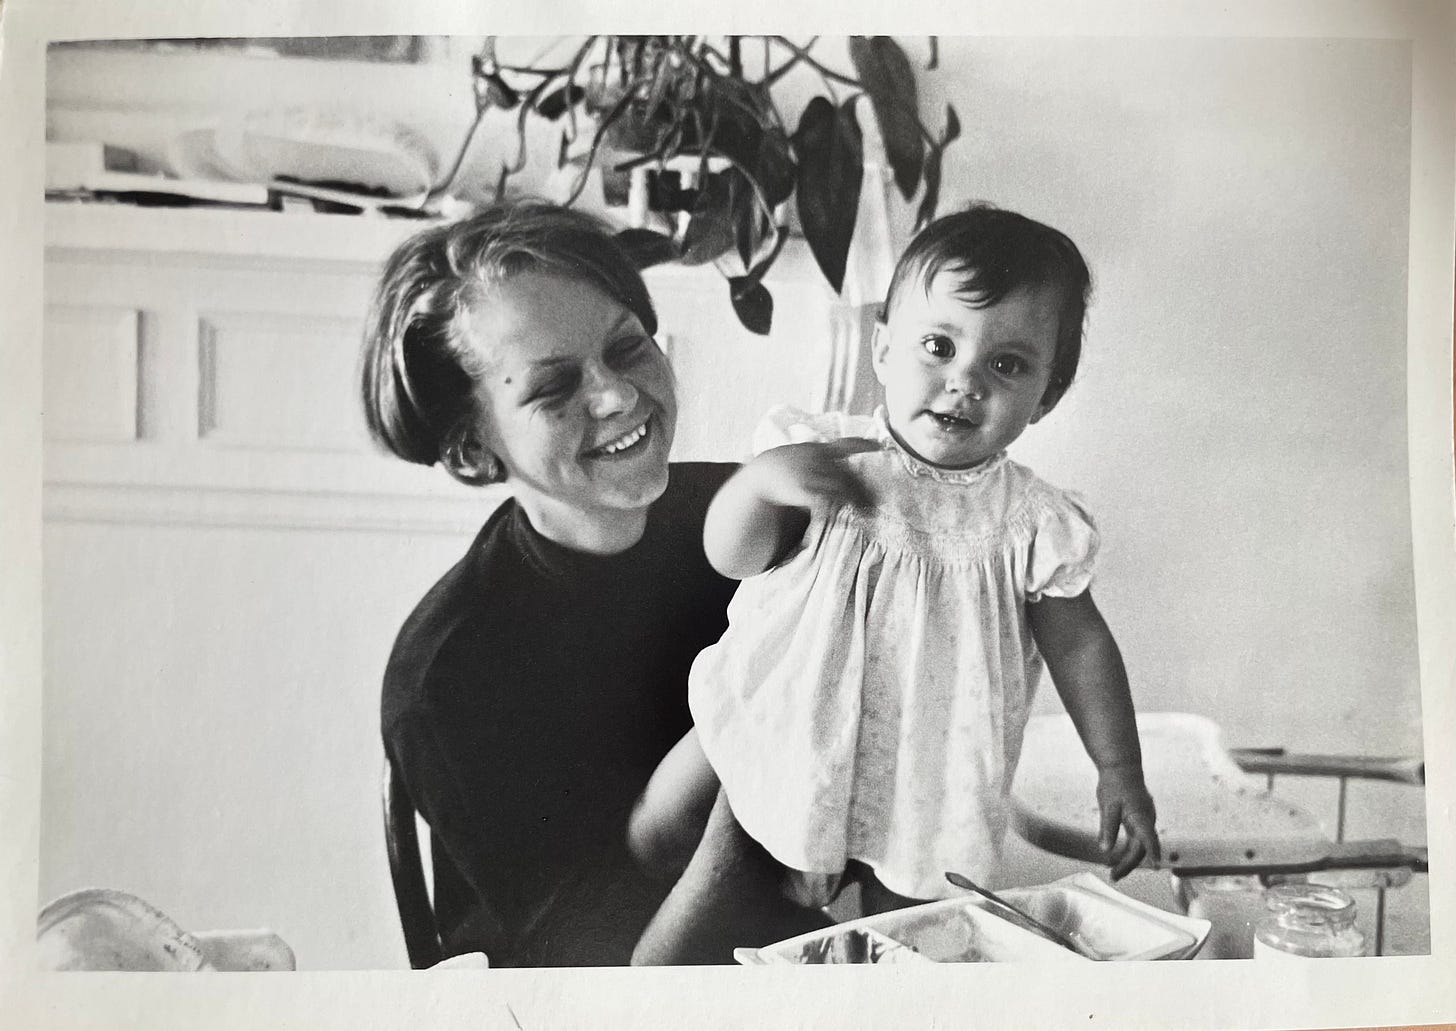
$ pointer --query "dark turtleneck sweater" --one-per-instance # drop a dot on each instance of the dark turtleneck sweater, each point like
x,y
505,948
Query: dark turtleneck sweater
x,y
528,698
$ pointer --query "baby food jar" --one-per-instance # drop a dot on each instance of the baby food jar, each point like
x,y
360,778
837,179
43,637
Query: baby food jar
x,y
1309,920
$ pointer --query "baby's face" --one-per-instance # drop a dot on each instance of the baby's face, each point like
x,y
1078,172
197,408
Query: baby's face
x,y
961,383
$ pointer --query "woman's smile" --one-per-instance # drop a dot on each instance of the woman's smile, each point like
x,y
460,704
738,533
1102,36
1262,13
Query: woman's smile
x,y
625,443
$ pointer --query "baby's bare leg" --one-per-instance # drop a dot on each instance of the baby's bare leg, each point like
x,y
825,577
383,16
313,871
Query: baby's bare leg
x,y
730,895
874,897
668,819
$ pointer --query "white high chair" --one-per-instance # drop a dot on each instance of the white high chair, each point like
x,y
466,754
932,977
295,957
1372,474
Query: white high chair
x,y
1218,820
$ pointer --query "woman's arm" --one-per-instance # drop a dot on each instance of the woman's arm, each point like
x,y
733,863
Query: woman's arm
x,y
423,760
764,508
1089,675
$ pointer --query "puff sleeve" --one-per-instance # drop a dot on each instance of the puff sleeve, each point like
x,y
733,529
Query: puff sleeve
x,y
786,424
1064,548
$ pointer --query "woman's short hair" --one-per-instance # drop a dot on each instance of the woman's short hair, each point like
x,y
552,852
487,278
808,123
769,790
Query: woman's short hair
x,y
997,252
417,369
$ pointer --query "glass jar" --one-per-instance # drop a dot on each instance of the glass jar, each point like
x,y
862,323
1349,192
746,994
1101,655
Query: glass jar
x,y
1234,905
1309,920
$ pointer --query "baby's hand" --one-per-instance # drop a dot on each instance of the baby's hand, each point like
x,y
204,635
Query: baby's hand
x,y
1124,802
811,475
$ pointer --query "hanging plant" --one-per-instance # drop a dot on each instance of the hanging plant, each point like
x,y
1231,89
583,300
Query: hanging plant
x,y
666,103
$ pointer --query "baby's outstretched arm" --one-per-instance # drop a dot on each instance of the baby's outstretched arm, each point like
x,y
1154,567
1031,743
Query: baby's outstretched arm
x,y
1087,669
764,508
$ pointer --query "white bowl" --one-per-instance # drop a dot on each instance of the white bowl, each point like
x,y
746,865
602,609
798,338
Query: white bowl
x,y
315,146
101,929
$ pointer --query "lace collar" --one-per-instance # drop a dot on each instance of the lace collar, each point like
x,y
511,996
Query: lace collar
x,y
919,467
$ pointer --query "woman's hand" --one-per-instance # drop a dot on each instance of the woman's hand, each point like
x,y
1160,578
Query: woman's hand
x,y
764,509
1125,805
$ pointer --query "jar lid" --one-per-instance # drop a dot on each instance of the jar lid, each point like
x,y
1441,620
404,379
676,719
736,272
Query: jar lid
x,y
1320,898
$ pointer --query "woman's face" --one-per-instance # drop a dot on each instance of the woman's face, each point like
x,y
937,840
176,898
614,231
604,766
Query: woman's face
x,y
577,400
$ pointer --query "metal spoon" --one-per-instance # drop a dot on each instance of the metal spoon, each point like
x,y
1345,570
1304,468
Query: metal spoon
x,y
1022,917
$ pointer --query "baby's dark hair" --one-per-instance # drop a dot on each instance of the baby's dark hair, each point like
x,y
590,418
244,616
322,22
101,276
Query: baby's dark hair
x,y
418,372
998,252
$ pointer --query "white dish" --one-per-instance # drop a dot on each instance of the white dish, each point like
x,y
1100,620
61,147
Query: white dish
x,y
1107,923
953,931
100,929
310,146
856,945
961,931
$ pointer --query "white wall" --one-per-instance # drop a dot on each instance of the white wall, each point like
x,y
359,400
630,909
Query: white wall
x,y
211,718
1239,421
211,692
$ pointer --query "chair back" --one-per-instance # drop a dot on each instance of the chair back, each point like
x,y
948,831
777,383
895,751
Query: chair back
x,y
416,912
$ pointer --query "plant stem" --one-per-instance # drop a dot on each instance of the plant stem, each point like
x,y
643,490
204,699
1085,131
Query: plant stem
x,y
448,180
576,63
597,137
824,71
796,55
829,73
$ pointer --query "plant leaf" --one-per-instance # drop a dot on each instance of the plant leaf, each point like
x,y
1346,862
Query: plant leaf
x,y
710,227
931,198
554,104
748,135
934,61
831,172
747,216
752,303
775,170
887,77
761,269
491,89
647,248
751,300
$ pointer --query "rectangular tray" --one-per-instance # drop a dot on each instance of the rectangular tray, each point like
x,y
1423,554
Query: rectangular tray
x,y
1108,924
965,930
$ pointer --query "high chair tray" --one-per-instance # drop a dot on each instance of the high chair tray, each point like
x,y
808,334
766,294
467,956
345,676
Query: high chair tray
x,y
1105,924
1211,814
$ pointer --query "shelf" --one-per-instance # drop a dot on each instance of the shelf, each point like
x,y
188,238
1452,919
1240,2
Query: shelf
x,y
228,232
245,234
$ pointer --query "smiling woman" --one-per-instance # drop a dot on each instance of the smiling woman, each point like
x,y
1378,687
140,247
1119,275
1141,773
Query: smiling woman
x,y
534,689
576,401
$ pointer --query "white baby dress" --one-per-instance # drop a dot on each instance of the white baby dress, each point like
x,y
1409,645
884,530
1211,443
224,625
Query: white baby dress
x,y
869,696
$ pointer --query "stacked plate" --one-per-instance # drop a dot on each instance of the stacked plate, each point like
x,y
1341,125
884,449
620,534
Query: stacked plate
x,y
303,145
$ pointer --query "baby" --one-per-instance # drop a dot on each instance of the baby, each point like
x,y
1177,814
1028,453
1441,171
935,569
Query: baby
x,y
904,585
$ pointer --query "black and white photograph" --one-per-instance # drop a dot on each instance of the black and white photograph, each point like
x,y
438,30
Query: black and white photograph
x,y
677,509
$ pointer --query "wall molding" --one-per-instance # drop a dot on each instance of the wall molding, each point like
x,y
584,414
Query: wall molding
x,y
156,505
238,353
92,354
